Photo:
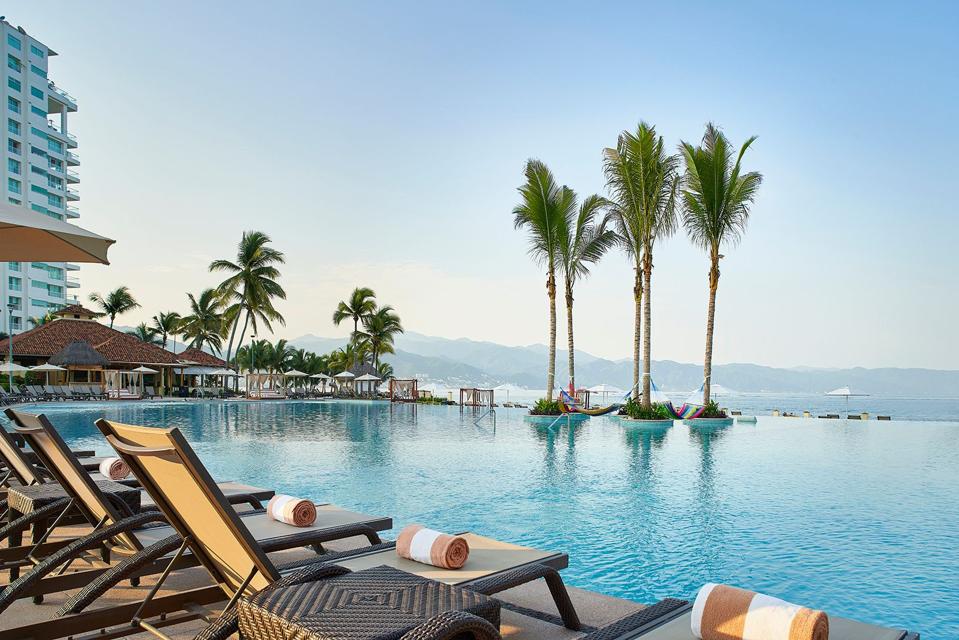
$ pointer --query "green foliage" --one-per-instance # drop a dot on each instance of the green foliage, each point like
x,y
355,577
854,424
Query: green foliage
x,y
118,301
145,333
712,410
432,400
205,325
545,407
361,305
635,409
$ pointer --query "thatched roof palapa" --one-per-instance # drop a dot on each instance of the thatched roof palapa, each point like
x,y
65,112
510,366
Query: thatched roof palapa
x,y
79,353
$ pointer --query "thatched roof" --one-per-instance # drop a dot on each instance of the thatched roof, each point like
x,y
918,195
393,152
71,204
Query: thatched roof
x,y
79,354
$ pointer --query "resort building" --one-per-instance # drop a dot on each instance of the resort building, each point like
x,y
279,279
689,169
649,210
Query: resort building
x,y
38,172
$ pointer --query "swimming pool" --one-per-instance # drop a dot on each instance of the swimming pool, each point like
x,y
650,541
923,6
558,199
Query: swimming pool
x,y
860,519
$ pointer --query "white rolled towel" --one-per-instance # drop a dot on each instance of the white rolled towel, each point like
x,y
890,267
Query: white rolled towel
x,y
114,468
721,612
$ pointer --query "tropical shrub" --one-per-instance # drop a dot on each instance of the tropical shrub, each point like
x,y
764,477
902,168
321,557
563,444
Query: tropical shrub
x,y
635,409
712,410
545,407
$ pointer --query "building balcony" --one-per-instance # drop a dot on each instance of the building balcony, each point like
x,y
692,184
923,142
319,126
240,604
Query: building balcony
x,y
73,159
73,283
72,212
73,177
72,195
62,96
70,266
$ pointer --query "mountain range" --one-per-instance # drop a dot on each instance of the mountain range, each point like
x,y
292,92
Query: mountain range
x,y
464,362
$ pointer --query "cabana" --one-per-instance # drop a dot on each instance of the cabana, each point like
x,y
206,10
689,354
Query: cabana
x,y
84,364
344,380
127,385
324,381
366,384
265,385
404,390
476,397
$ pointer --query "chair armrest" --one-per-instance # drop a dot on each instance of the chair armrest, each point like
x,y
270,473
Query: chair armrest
x,y
528,573
453,624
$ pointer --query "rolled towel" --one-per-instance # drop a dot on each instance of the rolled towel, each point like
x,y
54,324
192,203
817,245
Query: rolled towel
x,y
722,612
295,511
420,544
114,468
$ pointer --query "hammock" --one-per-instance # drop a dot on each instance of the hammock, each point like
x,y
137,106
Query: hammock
x,y
567,404
691,408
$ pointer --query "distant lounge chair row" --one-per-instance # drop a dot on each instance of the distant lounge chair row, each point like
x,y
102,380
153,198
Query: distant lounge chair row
x,y
44,393
196,525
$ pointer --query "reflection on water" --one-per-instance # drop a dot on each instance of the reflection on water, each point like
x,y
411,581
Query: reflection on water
x,y
856,518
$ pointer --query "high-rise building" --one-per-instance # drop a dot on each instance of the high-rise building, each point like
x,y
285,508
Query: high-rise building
x,y
38,172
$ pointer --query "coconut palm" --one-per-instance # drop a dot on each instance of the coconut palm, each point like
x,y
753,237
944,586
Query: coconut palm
x,y
716,200
203,327
116,302
385,370
348,356
145,333
361,305
166,324
253,355
582,241
252,286
644,182
379,331
39,321
543,208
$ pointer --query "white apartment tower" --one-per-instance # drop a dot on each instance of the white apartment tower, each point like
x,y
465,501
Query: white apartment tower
x,y
36,172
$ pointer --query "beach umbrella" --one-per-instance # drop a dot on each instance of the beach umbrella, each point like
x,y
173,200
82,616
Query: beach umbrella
x,y
47,368
293,373
321,376
30,236
344,375
141,370
507,388
13,367
606,390
845,392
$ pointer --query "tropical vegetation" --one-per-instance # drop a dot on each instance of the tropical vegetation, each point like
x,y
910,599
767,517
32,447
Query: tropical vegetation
x,y
145,333
166,324
639,410
115,303
359,306
546,407
204,327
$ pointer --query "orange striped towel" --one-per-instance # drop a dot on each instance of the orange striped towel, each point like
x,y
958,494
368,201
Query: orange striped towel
x,y
721,612
420,544
295,511
114,468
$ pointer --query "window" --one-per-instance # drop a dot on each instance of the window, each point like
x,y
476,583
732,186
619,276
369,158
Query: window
x,y
14,84
16,324
41,209
13,266
37,70
56,183
54,273
13,63
55,201
37,111
13,166
13,126
38,151
37,51
13,42
38,170
13,147
14,301
14,201
14,284
55,145
13,185
13,104
37,92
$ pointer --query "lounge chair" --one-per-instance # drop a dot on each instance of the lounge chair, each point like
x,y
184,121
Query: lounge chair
x,y
148,392
123,533
233,547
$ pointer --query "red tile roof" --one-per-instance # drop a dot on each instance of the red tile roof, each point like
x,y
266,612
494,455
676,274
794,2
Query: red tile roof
x,y
200,357
115,346
76,310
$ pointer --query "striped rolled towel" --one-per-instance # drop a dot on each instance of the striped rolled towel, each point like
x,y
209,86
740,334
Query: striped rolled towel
x,y
721,612
114,468
295,511
420,544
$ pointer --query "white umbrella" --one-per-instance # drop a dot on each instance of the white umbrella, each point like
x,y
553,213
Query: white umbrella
x,y
142,369
321,376
224,372
47,368
844,392
346,375
368,377
12,367
293,373
30,236
606,390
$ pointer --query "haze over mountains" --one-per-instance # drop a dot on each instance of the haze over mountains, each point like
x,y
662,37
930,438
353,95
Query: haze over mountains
x,y
465,362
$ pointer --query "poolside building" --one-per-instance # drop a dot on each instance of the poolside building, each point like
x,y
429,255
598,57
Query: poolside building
x,y
38,172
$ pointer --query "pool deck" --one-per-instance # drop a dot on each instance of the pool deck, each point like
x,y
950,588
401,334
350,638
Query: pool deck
x,y
594,609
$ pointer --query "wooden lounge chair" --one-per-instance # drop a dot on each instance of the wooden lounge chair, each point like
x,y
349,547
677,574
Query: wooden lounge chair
x,y
232,548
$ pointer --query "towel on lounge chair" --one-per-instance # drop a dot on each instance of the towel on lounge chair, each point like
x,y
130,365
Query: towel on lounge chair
x,y
427,546
722,612
114,468
295,511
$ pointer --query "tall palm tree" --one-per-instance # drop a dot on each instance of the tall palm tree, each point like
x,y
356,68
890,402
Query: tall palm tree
x,y
167,324
543,208
252,286
348,356
253,355
385,370
716,200
644,179
379,331
145,333
583,241
361,305
116,302
204,326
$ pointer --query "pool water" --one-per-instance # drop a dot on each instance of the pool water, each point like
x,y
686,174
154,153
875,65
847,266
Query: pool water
x,y
859,519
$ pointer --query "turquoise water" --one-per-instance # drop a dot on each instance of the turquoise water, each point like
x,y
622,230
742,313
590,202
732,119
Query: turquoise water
x,y
859,519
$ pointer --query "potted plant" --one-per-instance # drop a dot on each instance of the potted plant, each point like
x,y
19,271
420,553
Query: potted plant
x,y
548,411
711,416
636,413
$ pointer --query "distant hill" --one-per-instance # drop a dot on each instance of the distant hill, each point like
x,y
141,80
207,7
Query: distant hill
x,y
469,362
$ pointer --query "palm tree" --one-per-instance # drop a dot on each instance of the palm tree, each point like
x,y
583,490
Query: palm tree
x,y
204,326
543,208
39,321
645,182
252,285
167,324
361,305
118,301
385,370
145,333
582,241
716,202
379,331
348,356
253,355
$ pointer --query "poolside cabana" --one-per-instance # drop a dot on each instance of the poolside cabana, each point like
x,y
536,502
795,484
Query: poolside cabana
x,y
295,375
324,381
265,385
344,381
471,397
366,384
404,390
84,364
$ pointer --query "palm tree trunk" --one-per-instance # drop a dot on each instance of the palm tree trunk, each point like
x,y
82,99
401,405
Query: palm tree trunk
x,y
229,348
569,334
246,321
647,324
710,322
112,317
637,323
551,363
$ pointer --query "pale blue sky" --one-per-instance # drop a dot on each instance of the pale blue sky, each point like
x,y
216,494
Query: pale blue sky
x,y
382,145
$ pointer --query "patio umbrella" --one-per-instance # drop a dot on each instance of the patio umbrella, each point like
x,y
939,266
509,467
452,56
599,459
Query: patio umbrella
x,y
12,368
141,370
293,373
47,368
844,392
30,236
605,390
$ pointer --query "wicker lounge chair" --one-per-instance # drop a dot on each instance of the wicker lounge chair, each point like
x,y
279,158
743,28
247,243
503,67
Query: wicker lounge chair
x,y
231,547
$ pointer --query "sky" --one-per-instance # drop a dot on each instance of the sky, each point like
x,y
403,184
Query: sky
x,y
381,144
